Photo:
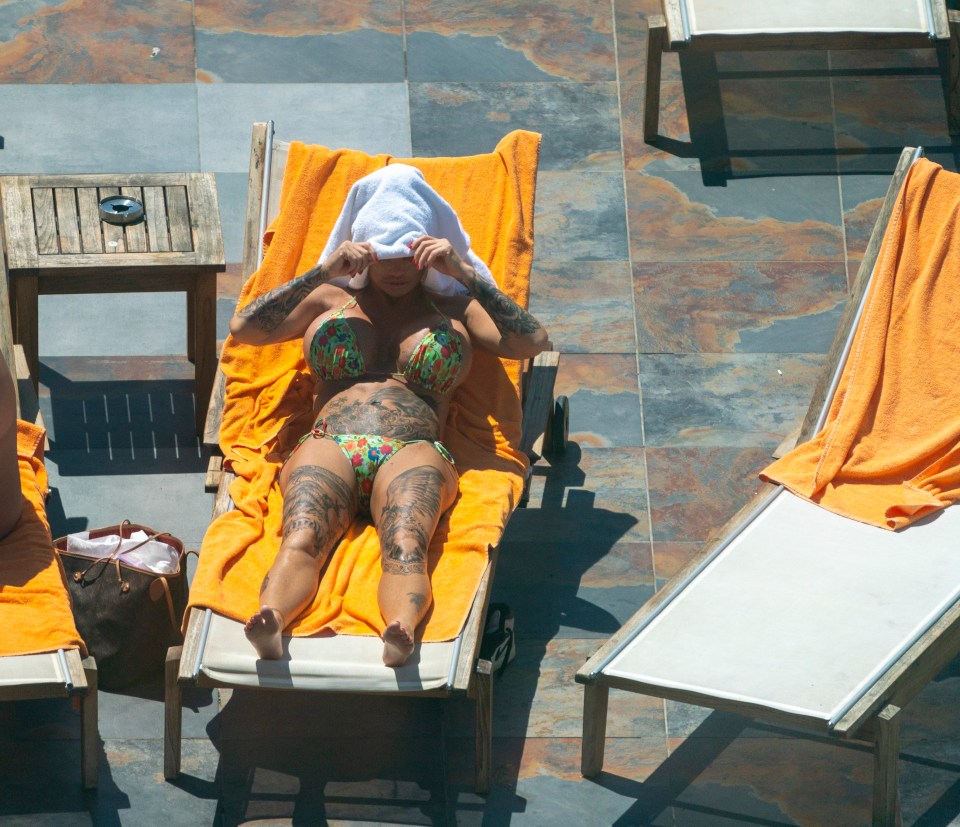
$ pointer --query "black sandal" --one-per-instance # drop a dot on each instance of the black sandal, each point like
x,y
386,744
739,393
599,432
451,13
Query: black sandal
x,y
499,645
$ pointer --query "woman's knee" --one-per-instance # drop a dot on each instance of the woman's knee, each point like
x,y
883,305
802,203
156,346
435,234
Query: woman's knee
x,y
304,547
415,496
411,506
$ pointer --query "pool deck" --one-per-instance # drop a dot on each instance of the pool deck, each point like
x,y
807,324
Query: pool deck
x,y
693,287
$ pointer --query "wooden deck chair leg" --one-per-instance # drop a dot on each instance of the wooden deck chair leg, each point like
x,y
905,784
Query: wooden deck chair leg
x,y
595,698
26,321
89,728
173,714
191,326
953,75
886,799
484,748
656,39
205,349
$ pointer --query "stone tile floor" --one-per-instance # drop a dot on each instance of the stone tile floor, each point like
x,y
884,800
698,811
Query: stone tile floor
x,y
693,287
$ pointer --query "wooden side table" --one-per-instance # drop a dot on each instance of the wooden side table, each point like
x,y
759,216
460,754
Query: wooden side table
x,y
56,243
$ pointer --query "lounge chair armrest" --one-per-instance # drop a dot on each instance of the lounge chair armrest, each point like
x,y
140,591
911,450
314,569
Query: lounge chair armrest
x,y
538,402
472,633
223,502
211,427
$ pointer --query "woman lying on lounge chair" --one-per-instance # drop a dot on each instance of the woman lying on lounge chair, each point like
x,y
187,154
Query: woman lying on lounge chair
x,y
388,345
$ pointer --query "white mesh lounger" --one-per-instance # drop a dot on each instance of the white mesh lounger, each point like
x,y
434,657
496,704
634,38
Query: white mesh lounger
x,y
216,653
753,625
721,25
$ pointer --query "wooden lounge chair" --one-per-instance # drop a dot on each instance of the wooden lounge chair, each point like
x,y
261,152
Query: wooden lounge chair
x,y
845,622
742,25
44,674
216,653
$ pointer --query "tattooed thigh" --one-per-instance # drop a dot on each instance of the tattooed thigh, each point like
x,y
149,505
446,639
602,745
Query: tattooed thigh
x,y
408,519
320,502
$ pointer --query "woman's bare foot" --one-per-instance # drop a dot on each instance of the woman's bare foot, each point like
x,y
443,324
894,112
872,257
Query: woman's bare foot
x,y
263,631
397,644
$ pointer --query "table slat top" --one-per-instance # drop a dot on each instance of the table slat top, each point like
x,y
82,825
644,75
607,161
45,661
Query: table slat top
x,y
54,224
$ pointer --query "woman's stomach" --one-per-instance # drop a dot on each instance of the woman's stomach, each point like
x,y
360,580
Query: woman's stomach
x,y
387,408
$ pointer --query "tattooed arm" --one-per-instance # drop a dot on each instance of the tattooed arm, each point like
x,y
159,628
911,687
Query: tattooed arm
x,y
286,311
495,321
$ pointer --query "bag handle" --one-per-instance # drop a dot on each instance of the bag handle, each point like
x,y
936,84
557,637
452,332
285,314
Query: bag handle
x,y
169,598
79,576
171,612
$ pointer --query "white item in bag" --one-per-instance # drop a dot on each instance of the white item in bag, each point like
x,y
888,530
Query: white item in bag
x,y
152,555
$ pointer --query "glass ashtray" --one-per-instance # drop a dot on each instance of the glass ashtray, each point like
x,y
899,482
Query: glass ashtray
x,y
120,209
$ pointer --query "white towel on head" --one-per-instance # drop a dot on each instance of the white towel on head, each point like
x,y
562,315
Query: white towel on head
x,y
390,208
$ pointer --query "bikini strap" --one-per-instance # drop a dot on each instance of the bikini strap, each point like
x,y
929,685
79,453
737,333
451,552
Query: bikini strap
x,y
438,310
338,313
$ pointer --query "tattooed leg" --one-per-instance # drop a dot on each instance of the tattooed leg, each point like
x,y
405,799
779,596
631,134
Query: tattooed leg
x,y
406,519
318,505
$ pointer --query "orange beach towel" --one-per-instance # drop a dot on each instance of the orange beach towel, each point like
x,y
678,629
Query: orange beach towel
x,y
268,400
890,450
35,613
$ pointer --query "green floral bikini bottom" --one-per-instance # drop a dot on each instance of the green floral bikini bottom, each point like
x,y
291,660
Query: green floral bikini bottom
x,y
366,453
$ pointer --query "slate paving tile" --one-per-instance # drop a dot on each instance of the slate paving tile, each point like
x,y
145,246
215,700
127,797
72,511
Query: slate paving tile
x,y
723,307
89,42
604,402
578,121
771,781
675,216
536,697
517,40
725,400
70,119
225,113
363,55
580,317
695,490
877,116
355,779
580,216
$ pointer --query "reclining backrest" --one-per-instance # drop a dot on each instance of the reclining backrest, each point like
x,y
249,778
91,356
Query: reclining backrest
x,y
268,159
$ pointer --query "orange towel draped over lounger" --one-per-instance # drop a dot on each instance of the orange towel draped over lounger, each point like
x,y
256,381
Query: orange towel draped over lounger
x,y
890,450
268,400
35,613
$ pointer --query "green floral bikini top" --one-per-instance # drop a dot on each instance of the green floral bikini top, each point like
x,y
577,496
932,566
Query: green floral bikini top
x,y
434,364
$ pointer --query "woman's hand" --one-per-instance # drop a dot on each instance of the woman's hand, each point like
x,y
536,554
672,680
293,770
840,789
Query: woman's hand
x,y
439,254
493,319
350,258
286,311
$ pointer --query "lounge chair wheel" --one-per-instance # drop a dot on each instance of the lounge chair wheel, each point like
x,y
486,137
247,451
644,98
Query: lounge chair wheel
x,y
560,425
